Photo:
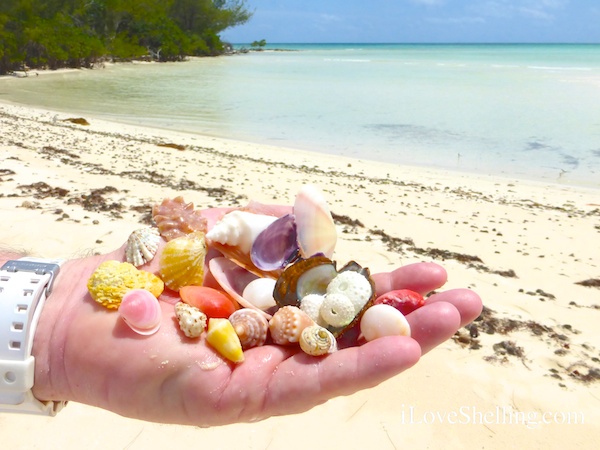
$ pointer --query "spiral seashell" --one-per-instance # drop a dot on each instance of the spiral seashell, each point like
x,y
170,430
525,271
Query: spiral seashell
x,y
141,311
287,324
383,320
192,321
222,337
142,245
317,341
250,326
175,218
239,229
182,261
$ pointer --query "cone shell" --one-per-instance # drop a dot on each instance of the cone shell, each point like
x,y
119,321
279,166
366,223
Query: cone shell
x,y
222,337
250,326
142,245
316,341
141,311
182,261
175,218
287,324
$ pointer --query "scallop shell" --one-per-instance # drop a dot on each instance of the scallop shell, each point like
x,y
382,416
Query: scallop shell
x,y
317,341
175,218
192,321
222,337
142,245
383,320
182,261
287,324
250,326
315,226
141,311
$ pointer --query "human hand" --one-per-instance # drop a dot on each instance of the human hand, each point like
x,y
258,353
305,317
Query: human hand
x,y
84,354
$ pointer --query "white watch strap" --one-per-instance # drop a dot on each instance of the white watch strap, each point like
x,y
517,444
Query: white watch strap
x,y
24,286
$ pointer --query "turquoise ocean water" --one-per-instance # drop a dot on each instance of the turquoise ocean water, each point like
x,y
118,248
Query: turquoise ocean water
x,y
521,110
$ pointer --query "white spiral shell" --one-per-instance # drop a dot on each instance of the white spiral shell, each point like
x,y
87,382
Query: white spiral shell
x,y
316,341
239,229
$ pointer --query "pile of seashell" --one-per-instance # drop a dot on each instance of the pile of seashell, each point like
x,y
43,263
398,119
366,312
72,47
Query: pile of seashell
x,y
275,280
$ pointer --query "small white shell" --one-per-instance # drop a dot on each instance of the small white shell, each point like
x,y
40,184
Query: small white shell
x,y
337,310
239,229
316,341
353,285
260,293
311,305
142,245
383,320
192,321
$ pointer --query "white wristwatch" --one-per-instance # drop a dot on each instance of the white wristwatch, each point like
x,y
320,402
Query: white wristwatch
x,y
24,285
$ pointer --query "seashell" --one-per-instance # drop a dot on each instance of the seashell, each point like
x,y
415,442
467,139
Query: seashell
x,y
404,300
192,321
337,310
175,218
307,276
352,285
311,305
315,227
222,337
211,302
233,279
141,311
259,293
142,245
383,320
113,279
317,341
182,261
276,246
239,229
287,324
250,326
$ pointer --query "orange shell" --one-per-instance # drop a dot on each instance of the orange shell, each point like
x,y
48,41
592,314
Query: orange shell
x,y
287,324
175,218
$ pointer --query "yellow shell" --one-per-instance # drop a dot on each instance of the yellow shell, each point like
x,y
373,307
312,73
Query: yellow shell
x,y
223,338
182,261
113,279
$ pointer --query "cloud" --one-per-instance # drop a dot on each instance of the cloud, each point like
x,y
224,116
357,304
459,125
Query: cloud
x,y
541,10
428,2
456,20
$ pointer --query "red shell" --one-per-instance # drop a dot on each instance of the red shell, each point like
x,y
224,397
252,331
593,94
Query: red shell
x,y
211,302
404,300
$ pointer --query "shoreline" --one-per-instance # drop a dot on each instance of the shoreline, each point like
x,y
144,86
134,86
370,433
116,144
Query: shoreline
x,y
525,247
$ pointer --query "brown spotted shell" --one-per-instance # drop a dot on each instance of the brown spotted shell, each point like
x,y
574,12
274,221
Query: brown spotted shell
x,y
175,218
251,327
287,324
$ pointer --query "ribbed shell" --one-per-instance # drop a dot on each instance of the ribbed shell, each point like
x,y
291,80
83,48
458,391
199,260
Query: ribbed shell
x,y
142,245
316,341
287,324
182,261
175,218
250,326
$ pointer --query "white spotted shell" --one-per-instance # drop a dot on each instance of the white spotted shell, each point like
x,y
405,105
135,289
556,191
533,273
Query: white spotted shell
x,y
287,324
192,321
316,341
251,327
337,310
142,245
354,286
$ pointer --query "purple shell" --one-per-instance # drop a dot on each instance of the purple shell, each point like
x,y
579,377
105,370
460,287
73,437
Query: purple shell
x,y
277,245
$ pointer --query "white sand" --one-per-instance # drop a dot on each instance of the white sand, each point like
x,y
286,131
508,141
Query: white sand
x,y
462,397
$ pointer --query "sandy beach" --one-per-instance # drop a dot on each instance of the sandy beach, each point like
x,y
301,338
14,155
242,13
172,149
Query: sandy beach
x,y
526,375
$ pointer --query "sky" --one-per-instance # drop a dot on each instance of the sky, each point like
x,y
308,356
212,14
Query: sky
x,y
412,21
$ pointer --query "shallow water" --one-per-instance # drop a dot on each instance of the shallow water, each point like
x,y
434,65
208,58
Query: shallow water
x,y
529,111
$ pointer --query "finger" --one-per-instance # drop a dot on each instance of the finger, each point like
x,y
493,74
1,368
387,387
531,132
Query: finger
x,y
467,302
433,324
304,381
421,277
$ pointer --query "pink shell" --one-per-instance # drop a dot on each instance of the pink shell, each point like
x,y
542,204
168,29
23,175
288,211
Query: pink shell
x,y
250,326
287,324
141,311
175,218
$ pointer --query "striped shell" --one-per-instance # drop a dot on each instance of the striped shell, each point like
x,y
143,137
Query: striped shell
x,y
250,326
316,341
287,324
182,261
142,245
175,218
